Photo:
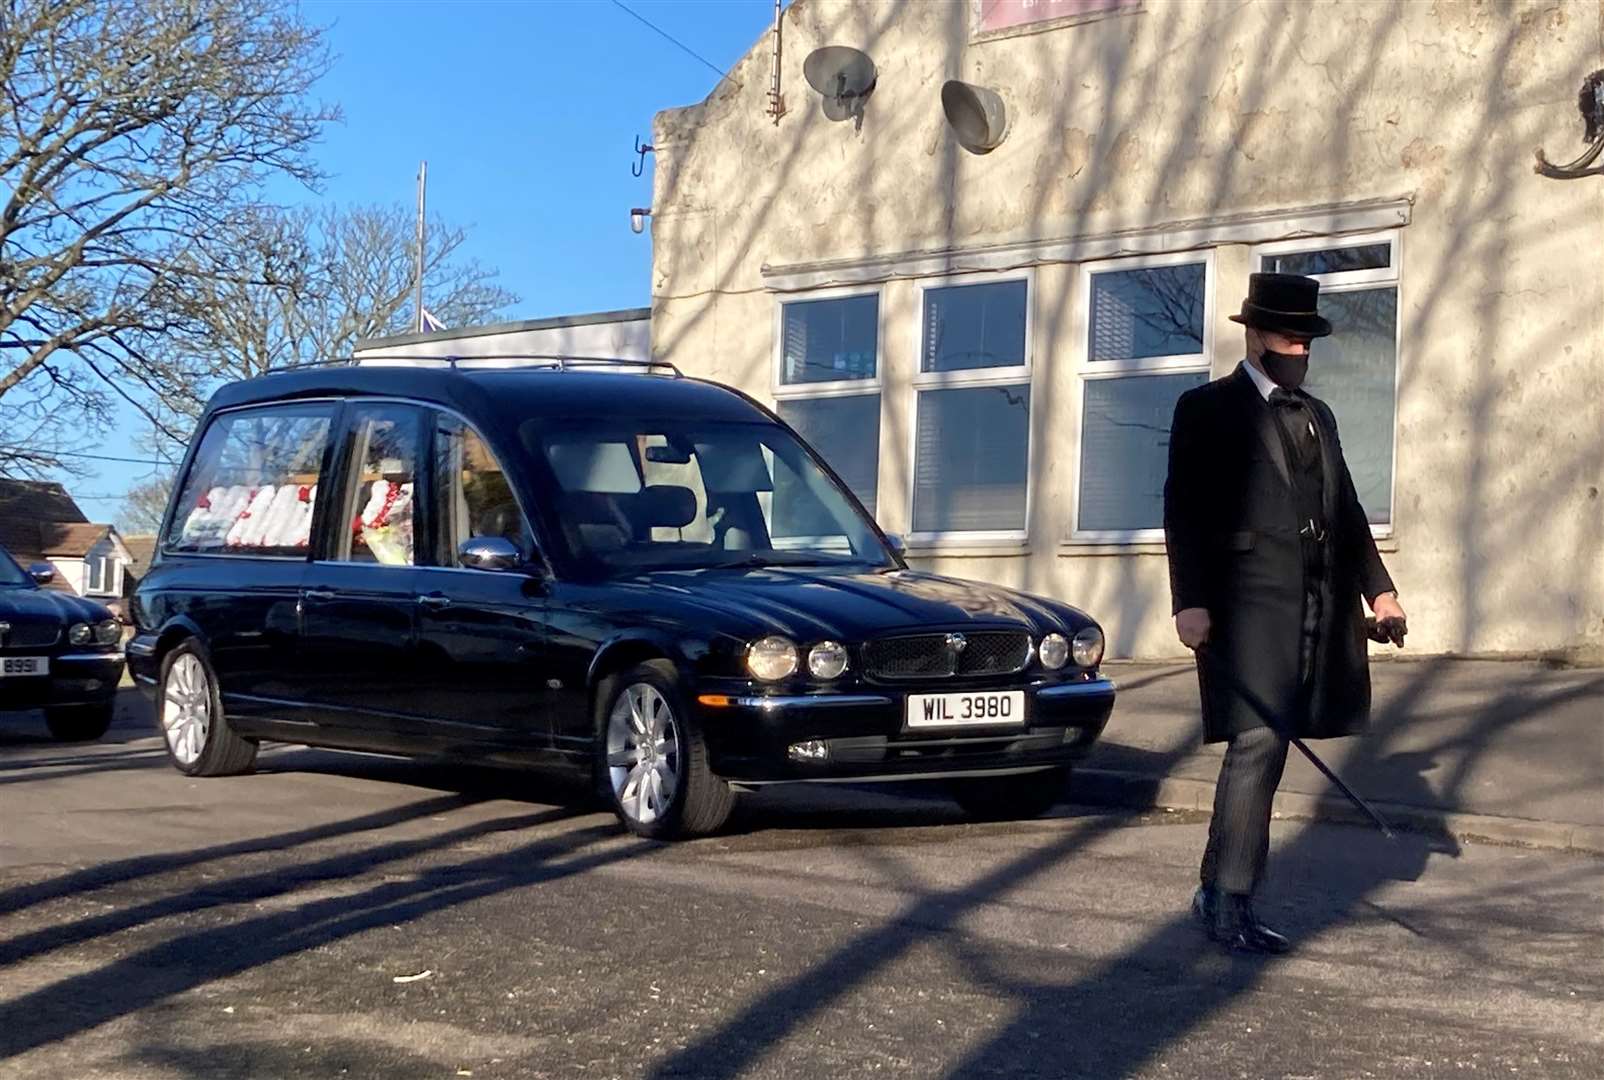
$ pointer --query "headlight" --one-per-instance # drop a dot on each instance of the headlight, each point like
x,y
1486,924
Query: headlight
x,y
81,633
827,660
1054,651
1088,647
109,632
771,659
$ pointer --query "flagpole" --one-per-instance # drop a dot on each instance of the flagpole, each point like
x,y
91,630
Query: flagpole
x,y
423,174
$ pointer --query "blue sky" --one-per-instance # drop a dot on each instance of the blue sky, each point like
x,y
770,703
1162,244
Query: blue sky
x,y
526,114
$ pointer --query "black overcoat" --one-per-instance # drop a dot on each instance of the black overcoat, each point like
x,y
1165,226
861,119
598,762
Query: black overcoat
x,y
1231,527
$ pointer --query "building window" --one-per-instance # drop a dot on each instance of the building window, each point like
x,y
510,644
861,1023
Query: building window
x,y
1148,343
1355,370
828,383
972,422
829,341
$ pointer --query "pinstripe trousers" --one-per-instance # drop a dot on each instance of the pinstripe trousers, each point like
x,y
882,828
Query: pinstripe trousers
x,y
1239,831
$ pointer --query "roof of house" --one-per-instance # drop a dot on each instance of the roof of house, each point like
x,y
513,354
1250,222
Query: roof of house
x,y
68,539
37,501
141,549
39,521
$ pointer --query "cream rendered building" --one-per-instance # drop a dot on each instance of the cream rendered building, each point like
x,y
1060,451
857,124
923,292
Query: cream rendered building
x,y
988,346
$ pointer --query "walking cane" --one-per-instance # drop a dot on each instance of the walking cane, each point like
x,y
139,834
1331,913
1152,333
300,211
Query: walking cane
x,y
1273,722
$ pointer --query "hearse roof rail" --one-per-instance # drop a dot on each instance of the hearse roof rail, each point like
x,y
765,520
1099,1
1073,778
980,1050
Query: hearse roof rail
x,y
537,361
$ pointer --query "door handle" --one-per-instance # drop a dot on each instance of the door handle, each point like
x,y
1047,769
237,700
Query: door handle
x,y
435,601
318,594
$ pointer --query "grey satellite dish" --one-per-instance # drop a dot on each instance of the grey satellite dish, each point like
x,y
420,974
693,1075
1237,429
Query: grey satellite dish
x,y
844,76
977,115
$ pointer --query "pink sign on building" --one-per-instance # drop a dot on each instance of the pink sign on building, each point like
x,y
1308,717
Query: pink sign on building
x,y
993,15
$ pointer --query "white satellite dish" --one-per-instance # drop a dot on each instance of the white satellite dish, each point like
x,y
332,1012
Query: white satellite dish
x,y
977,115
844,76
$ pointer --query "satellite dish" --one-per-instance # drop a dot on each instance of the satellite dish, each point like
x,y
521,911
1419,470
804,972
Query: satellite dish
x,y
844,76
977,115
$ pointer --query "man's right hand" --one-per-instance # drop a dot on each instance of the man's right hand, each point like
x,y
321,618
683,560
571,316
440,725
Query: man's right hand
x,y
1192,625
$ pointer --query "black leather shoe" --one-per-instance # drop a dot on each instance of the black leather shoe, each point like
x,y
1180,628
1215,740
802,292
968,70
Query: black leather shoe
x,y
1237,928
1205,902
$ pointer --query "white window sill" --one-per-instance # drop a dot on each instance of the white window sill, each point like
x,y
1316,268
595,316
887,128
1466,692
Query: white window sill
x,y
1069,549
967,550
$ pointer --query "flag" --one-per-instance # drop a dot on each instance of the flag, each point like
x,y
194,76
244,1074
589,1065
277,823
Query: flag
x,y
431,324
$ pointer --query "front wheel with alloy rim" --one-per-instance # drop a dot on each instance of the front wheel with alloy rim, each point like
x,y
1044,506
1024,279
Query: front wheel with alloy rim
x,y
653,757
1011,798
189,712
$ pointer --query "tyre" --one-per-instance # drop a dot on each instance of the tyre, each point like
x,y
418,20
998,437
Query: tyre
x,y
189,714
652,758
79,723
1011,798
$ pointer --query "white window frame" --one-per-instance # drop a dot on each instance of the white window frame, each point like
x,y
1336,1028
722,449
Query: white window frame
x,y
840,387
1353,281
1019,375
1087,369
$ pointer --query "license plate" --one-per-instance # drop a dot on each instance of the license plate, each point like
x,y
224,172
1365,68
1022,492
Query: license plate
x,y
25,665
988,708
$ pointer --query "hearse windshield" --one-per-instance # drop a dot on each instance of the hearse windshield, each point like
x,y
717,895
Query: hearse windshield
x,y
667,494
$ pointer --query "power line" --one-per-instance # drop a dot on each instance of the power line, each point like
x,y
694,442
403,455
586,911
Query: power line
x,y
88,457
670,37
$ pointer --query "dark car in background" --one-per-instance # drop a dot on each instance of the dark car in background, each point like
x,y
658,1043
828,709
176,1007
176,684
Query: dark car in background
x,y
620,569
58,652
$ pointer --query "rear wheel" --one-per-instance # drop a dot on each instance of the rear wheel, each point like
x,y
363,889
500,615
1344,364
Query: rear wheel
x,y
79,723
199,740
1011,798
653,759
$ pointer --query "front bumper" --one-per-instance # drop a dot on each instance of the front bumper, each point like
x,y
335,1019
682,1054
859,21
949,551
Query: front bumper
x,y
860,735
75,679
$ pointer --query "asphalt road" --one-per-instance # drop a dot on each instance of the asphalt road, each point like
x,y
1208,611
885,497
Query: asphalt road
x,y
356,916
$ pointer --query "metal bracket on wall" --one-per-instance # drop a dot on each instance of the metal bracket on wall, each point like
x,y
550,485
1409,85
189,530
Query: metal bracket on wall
x,y
1591,104
641,150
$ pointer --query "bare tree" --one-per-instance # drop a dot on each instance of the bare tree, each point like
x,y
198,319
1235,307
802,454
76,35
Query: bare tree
x,y
298,286
130,134
144,505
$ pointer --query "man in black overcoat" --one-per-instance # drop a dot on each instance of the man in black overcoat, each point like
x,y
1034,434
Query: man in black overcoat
x,y
1270,554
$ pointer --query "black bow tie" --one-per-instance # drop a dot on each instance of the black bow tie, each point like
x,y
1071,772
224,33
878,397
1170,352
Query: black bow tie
x,y
1285,399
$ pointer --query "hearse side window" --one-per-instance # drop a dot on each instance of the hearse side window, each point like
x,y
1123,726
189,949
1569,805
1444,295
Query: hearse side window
x,y
379,510
253,483
473,495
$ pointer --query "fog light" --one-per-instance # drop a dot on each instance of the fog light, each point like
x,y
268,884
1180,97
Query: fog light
x,y
812,750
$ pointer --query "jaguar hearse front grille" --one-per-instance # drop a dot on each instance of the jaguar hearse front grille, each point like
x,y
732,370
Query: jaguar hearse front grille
x,y
29,636
940,656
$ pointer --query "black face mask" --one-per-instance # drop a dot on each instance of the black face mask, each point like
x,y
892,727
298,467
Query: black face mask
x,y
1286,370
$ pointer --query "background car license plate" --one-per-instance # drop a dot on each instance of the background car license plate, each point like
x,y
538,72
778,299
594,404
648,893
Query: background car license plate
x,y
25,665
986,707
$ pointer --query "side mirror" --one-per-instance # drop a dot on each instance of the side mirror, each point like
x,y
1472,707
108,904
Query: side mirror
x,y
42,573
489,553
895,542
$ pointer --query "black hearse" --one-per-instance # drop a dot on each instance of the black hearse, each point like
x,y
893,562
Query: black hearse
x,y
614,566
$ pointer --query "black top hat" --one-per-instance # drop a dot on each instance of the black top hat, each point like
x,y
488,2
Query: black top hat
x,y
1284,303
